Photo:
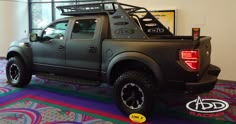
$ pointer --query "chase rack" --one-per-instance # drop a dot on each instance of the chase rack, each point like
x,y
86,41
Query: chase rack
x,y
125,20
90,7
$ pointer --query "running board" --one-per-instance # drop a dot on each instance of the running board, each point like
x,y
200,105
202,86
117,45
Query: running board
x,y
73,80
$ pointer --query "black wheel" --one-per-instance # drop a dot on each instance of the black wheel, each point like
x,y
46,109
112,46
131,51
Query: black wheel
x,y
16,72
134,93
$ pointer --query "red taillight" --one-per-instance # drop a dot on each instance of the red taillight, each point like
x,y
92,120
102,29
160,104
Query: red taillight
x,y
190,58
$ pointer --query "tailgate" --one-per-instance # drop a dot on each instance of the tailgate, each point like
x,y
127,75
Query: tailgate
x,y
204,47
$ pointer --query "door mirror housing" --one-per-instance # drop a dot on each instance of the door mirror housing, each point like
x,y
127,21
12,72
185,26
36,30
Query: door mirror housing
x,y
34,37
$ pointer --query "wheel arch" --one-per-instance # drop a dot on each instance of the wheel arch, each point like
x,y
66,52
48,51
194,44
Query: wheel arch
x,y
133,59
25,56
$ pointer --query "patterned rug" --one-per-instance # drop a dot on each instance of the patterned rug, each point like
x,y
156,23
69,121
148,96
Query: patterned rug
x,y
52,102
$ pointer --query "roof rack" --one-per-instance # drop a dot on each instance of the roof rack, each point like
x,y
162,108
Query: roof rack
x,y
85,7
124,22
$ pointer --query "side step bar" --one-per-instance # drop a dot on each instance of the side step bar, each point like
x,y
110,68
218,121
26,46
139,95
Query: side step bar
x,y
73,80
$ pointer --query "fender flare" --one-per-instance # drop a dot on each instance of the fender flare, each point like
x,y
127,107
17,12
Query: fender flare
x,y
25,54
149,62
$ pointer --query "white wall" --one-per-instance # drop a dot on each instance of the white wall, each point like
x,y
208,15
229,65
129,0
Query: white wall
x,y
13,22
216,18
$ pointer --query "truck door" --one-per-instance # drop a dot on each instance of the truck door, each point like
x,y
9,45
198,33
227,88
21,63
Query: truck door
x,y
50,51
83,48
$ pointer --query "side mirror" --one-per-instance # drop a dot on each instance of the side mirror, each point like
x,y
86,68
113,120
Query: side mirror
x,y
34,37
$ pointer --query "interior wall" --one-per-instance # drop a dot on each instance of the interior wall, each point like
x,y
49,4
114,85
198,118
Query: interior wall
x,y
13,22
216,18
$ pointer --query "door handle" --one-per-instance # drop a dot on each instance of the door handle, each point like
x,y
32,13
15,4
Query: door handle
x,y
92,49
61,47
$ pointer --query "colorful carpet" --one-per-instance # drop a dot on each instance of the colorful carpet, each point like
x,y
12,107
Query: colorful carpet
x,y
52,102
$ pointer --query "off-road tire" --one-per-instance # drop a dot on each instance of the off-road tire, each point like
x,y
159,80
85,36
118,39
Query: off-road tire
x,y
17,73
138,81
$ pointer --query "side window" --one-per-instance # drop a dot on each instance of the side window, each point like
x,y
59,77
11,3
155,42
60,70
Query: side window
x,y
55,31
84,29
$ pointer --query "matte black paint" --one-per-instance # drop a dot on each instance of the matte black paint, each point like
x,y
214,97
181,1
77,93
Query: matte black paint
x,y
117,38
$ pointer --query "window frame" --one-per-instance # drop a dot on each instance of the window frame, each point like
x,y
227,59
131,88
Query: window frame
x,y
59,21
78,19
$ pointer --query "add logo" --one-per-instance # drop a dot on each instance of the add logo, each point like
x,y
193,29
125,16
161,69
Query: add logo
x,y
207,107
136,117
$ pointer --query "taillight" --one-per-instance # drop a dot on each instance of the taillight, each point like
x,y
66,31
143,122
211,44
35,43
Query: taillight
x,y
190,58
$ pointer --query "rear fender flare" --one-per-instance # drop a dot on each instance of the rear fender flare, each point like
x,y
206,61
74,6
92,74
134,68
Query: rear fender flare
x,y
149,62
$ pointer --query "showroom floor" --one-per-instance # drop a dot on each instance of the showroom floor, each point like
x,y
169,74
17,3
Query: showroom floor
x,y
50,102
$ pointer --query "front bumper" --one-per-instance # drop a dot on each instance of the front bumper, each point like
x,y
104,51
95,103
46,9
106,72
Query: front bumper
x,y
206,83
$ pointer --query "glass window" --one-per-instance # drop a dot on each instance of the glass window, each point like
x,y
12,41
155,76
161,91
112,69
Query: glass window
x,y
55,31
43,12
58,12
64,0
41,15
41,0
84,29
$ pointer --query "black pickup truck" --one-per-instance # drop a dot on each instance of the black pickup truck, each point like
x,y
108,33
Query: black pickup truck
x,y
109,42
